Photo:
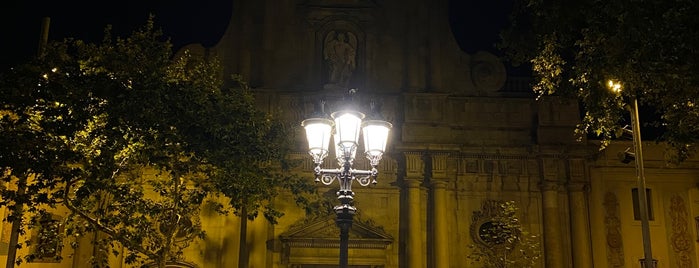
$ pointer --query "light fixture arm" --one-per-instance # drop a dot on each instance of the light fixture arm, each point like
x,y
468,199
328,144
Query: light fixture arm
x,y
363,177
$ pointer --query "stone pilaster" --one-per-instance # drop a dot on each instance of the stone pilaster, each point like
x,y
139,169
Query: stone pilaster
x,y
440,243
553,246
581,243
580,225
414,176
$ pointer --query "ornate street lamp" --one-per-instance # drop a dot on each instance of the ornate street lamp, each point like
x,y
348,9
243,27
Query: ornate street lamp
x,y
637,155
344,128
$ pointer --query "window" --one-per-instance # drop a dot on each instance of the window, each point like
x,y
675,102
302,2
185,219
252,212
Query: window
x,y
637,208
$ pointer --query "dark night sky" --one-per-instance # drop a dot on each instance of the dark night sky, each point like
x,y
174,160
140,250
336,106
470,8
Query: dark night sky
x,y
476,22
185,22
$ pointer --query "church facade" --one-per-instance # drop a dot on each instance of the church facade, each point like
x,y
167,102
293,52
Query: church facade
x,y
466,136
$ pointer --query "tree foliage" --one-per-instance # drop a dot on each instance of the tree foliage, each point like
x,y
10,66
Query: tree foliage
x,y
250,151
133,141
649,46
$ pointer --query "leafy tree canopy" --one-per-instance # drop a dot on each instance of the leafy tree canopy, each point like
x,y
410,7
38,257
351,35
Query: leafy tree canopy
x,y
133,142
649,47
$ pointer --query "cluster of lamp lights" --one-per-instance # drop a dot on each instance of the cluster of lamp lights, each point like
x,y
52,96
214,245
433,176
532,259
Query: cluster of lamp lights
x,y
344,129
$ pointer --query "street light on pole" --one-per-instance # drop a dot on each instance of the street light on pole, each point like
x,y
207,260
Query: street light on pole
x,y
344,129
647,261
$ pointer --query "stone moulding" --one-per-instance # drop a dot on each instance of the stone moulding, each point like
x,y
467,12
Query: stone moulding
x,y
323,233
335,243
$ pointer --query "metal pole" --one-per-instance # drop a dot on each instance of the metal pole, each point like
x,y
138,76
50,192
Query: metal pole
x,y
345,211
344,221
44,36
641,181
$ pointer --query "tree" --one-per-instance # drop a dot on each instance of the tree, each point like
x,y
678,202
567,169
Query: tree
x,y
250,153
111,113
133,141
649,46
502,241
34,122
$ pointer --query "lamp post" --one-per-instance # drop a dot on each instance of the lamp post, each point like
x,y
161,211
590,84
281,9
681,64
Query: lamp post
x,y
344,129
647,261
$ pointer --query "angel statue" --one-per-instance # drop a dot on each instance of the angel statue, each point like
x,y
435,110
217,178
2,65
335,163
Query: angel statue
x,y
340,53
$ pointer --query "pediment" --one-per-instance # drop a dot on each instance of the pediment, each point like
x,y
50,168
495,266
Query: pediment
x,y
324,233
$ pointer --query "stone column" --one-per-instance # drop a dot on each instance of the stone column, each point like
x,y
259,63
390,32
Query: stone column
x,y
579,225
553,246
414,236
581,238
440,243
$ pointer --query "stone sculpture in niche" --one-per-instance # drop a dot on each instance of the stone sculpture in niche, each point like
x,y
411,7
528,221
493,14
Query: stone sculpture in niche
x,y
340,52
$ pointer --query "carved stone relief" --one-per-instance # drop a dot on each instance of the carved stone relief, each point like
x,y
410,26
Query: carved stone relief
x,y
612,224
680,238
414,164
492,172
488,72
481,223
471,165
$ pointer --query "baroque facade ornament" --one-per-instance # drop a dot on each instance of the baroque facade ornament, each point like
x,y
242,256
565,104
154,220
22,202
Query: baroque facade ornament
x,y
481,223
680,241
615,246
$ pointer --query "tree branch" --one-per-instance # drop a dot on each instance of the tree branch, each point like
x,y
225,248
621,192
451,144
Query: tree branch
x,y
106,229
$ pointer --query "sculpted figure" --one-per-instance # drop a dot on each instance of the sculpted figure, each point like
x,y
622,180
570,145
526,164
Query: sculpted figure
x,y
340,53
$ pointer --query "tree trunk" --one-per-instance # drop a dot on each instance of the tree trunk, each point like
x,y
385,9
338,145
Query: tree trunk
x,y
161,261
16,223
243,251
12,246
